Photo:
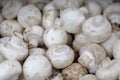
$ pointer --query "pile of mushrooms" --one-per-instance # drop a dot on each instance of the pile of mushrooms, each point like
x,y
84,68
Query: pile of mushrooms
x,y
59,40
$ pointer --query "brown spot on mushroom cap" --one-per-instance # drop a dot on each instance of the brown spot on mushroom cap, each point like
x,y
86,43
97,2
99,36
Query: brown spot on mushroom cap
x,y
74,72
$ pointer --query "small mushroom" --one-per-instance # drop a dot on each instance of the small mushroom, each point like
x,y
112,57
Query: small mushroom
x,y
97,29
11,8
29,15
37,67
39,51
60,55
10,70
34,36
13,48
108,44
74,72
93,7
91,56
49,16
112,12
88,77
79,41
108,70
72,20
9,27
55,35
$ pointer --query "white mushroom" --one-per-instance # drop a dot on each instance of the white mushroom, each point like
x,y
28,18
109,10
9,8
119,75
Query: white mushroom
x,y
9,27
72,20
60,55
88,77
49,16
91,56
37,67
93,7
33,35
108,44
116,49
55,35
84,11
40,51
112,12
108,70
10,70
74,72
67,4
13,48
97,29
29,15
79,41
11,8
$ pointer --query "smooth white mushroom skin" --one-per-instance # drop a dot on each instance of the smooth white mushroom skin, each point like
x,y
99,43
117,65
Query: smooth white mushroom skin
x,y
29,15
55,35
91,56
74,72
10,70
97,29
33,35
88,77
112,12
108,44
37,67
39,51
108,70
9,27
116,49
79,41
93,7
72,20
67,4
11,8
60,55
13,48
49,16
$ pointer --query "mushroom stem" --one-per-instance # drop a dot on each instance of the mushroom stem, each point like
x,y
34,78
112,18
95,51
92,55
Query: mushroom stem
x,y
33,43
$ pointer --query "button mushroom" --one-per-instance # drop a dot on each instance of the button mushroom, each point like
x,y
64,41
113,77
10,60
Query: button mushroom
x,y
37,67
97,29
60,55
29,15
33,35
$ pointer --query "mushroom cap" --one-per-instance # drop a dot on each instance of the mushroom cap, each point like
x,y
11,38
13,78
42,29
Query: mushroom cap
x,y
11,8
112,12
88,77
54,35
10,70
9,27
29,15
13,48
72,20
60,55
74,71
37,67
91,55
97,29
